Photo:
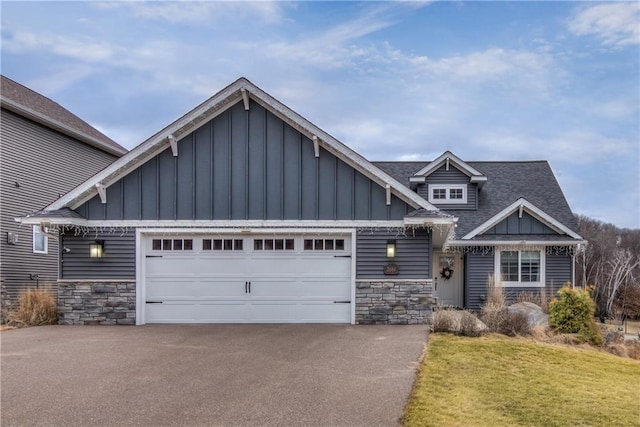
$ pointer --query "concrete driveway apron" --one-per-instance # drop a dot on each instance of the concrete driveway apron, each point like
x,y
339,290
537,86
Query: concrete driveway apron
x,y
214,375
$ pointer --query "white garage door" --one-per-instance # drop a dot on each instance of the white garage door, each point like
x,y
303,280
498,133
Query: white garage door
x,y
257,279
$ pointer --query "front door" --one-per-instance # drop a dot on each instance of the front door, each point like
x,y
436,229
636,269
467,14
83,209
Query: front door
x,y
447,279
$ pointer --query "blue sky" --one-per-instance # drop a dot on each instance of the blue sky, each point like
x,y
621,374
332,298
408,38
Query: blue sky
x,y
557,81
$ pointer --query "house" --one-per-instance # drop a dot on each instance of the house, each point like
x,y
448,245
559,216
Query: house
x,y
243,211
46,151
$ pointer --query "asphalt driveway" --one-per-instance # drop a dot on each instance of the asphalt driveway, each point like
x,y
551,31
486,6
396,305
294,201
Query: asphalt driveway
x,y
226,375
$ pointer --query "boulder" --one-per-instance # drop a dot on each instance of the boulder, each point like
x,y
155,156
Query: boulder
x,y
534,314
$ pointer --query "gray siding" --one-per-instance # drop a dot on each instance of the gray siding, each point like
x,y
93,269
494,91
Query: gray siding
x,y
477,270
559,270
455,177
513,224
118,260
413,254
245,165
37,165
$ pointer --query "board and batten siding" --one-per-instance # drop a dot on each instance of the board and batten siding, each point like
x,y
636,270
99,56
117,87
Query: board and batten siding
x,y
514,224
413,254
453,176
245,165
37,166
118,259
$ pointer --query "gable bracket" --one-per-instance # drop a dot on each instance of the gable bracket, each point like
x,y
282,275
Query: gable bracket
x,y
447,166
520,209
388,188
245,98
174,145
316,145
102,192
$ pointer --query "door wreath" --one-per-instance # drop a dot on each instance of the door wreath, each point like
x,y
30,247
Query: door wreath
x,y
446,273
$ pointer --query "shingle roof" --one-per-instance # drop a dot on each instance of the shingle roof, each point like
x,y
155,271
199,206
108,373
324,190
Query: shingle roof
x,y
507,182
35,106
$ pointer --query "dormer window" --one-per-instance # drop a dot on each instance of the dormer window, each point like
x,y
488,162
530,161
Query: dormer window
x,y
447,194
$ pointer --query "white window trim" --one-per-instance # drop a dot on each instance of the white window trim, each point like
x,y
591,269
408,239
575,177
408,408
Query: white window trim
x,y
448,200
38,231
505,284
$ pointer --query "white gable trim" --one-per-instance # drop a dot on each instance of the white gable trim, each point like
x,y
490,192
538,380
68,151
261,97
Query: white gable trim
x,y
446,158
213,107
535,212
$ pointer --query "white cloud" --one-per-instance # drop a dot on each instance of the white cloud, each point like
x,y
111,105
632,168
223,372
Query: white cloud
x,y
615,24
200,12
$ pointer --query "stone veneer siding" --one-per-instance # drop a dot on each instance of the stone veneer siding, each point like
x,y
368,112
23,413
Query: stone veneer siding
x,y
97,303
394,302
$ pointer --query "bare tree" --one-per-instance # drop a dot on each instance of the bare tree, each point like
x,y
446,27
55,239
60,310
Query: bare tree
x,y
611,265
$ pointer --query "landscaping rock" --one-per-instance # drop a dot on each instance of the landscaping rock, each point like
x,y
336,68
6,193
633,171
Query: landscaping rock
x,y
535,315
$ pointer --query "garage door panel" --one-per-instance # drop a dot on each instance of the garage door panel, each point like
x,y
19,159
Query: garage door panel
x,y
172,288
324,312
199,312
325,289
273,266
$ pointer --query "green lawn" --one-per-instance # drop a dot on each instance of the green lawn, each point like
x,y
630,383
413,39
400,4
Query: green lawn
x,y
500,381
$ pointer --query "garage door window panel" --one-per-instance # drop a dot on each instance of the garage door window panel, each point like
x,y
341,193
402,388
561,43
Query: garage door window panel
x,y
222,245
324,244
172,244
273,244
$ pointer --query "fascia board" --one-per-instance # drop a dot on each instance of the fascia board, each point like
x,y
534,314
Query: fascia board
x,y
40,220
60,127
532,210
517,242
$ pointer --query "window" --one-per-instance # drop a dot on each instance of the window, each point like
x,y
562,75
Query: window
x,y
324,244
222,244
521,268
40,241
172,244
455,194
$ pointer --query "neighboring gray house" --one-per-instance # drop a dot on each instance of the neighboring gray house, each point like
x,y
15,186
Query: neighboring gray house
x,y
244,211
45,152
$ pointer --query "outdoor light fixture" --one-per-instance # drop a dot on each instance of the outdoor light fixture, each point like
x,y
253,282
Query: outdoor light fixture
x,y
96,249
391,248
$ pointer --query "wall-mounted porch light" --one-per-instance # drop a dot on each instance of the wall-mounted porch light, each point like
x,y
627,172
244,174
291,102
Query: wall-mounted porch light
x,y
96,249
391,248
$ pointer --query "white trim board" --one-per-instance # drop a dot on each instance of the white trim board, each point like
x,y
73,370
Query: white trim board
x,y
456,243
535,212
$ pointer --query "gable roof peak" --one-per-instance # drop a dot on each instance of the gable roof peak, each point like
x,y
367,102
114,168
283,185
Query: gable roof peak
x,y
240,91
448,158
520,205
